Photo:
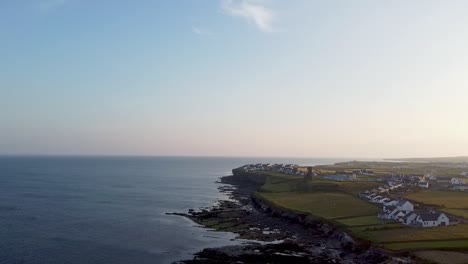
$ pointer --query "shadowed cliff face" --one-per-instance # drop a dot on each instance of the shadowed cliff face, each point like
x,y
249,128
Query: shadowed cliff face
x,y
249,177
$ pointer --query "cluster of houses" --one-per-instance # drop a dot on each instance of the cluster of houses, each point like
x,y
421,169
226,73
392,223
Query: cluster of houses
x,y
372,195
455,181
363,172
291,169
459,185
411,180
423,181
403,211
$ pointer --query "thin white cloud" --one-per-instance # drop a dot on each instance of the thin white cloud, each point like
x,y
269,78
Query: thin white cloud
x,y
201,31
197,31
254,12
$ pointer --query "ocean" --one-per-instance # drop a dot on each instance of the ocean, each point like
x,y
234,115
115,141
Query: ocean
x,y
110,209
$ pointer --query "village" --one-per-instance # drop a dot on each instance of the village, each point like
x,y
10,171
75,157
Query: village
x,y
404,206
289,169
394,207
389,196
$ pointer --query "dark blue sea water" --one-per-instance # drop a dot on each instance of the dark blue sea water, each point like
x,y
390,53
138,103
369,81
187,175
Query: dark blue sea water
x,y
109,209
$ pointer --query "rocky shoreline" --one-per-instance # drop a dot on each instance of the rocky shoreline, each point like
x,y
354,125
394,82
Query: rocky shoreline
x,y
277,236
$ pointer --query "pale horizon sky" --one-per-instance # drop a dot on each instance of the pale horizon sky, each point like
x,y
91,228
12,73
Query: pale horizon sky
x,y
358,79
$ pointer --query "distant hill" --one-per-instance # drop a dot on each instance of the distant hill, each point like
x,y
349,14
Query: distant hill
x,y
459,159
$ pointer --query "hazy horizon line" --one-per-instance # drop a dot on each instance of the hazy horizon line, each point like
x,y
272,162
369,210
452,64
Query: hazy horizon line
x,y
214,156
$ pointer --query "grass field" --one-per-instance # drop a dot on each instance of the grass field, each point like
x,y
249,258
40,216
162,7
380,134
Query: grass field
x,y
383,226
446,199
338,202
322,185
386,168
459,212
362,221
442,257
328,205
444,244
276,184
416,234
289,183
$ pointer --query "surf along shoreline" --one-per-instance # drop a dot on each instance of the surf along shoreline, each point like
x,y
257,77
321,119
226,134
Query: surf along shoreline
x,y
278,235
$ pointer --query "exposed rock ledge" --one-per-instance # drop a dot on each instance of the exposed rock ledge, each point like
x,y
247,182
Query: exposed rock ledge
x,y
305,239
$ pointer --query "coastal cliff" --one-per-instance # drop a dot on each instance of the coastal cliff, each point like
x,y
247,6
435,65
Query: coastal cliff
x,y
294,237
339,237
241,175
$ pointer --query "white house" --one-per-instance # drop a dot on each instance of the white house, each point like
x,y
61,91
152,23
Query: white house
x,y
423,184
391,212
388,211
376,198
384,200
405,206
432,219
392,187
409,218
380,199
455,181
461,187
391,202
382,189
397,215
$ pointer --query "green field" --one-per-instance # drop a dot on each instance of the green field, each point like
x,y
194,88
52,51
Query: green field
x,y
328,205
419,234
386,168
362,221
277,184
325,198
445,199
442,257
282,184
383,226
459,212
444,244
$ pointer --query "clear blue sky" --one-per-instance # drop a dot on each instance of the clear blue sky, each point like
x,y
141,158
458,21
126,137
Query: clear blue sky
x,y
236,78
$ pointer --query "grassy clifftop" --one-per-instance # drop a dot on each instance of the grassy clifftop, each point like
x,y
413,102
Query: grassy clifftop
x,y
324,198
338,202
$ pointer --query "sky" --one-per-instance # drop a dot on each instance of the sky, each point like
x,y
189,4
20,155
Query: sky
x,y
364,79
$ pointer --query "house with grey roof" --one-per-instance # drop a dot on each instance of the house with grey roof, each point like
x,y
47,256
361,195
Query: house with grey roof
x,y
430,219
409,218
397,215
391,202
461,187
405,206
